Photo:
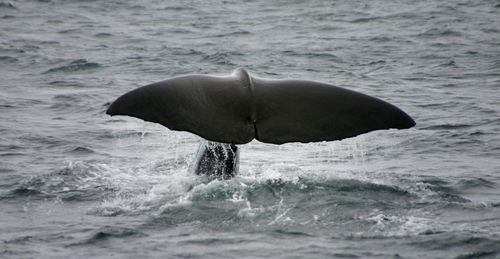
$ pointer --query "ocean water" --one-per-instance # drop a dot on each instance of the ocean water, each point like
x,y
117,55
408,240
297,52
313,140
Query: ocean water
x,y
75,182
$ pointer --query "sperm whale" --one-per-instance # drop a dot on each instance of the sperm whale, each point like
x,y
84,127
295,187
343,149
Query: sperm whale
x,y
235,109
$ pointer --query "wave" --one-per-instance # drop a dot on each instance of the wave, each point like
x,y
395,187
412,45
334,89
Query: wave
x,y
74,183
244,202
74,66
108,232
439,33
221,58
8,59
470,246
7,5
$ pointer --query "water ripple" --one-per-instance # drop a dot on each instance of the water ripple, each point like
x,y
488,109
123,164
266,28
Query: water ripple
x,y
74,66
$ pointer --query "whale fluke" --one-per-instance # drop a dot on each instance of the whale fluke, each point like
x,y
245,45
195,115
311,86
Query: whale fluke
x,y
238,108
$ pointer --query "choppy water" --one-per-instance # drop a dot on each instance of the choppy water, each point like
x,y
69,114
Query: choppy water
x,y
77,183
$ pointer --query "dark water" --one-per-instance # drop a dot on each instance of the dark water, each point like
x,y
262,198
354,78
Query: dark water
x,y
77,183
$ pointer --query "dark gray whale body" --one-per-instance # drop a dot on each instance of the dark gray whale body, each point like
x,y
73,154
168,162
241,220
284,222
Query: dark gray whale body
x,y
238,108
216,159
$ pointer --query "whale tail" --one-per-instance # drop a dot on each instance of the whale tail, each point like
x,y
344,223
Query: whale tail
x,y
238,108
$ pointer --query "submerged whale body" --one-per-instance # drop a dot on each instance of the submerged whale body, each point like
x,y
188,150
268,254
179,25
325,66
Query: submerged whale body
x,y
239,108
216,159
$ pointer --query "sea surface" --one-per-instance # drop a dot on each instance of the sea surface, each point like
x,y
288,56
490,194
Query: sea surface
x,y
77,183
